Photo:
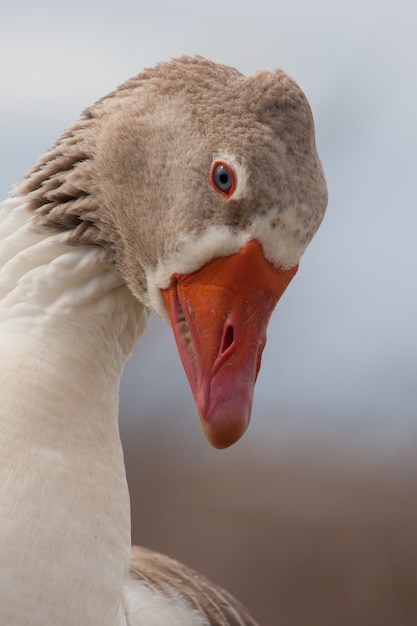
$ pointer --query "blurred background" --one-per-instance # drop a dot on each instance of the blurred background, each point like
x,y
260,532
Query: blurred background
x,y
310,519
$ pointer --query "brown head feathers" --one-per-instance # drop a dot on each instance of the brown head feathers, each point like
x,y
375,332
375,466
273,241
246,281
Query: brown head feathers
x,y
132,175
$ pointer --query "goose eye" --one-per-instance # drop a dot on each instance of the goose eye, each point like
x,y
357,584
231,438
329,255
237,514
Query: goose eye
x,y
223,178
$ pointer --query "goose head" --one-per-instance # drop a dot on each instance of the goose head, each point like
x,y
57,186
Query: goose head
x,y
204,187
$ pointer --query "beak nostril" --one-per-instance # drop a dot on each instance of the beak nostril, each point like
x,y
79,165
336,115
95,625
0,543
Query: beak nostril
x,y
228,338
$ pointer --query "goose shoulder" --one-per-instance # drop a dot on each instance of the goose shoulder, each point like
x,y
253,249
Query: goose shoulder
x,y
158,579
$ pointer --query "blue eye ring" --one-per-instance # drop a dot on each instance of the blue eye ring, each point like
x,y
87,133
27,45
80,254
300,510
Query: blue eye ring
x,y
223,178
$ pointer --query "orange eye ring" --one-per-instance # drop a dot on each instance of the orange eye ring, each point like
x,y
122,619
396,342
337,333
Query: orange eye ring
x,y
223,178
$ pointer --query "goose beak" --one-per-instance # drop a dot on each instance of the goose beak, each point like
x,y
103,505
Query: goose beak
x,y
219,315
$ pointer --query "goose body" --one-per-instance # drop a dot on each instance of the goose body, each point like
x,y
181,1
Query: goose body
x,y
131,212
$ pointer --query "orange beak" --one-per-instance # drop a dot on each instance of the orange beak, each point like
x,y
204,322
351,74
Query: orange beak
x,y
219,315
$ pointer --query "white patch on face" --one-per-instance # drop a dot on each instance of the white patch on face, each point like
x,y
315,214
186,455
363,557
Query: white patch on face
x,y
285,242
280,244
217,241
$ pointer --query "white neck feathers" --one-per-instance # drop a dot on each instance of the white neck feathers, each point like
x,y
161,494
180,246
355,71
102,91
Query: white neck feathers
x,y
67,325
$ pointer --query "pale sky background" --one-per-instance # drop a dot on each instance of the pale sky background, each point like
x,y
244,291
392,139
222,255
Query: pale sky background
x,y
341,359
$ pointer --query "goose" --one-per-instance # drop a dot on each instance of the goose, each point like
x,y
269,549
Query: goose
x,y
191,191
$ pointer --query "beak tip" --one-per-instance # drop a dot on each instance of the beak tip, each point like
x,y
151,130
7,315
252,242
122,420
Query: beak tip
x,y
225,425
221,439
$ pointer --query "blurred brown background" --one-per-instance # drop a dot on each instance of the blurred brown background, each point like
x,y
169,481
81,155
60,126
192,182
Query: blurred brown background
x,y
302,537
310,519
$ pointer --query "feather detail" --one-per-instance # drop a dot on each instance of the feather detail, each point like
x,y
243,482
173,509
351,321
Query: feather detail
x,y
179,584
